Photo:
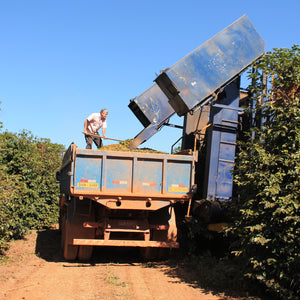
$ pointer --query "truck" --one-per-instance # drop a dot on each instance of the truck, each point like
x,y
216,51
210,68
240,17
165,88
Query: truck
x,y
134,199
119,198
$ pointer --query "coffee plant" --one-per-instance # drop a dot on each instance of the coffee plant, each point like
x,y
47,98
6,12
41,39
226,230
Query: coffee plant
x,y
28,189
267,211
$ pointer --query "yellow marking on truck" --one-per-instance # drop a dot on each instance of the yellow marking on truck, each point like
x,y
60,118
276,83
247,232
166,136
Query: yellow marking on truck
x,y
93,185
178,189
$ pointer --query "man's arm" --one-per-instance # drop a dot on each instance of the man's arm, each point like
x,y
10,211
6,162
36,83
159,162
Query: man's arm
x,y
85,125
103,132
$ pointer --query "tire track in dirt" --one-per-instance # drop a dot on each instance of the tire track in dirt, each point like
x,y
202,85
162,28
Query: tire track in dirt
x,y
152,281
37,271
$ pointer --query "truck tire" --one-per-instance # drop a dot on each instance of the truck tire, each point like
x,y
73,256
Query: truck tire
x,y
70,251
162,235
72,228
149,253
153,253
85,253
62,228
60,220
162,216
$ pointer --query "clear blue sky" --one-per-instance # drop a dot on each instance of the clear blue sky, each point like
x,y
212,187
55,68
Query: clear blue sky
x,y
61,60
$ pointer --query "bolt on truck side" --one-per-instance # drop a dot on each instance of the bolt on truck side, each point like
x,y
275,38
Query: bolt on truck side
x,y
116,198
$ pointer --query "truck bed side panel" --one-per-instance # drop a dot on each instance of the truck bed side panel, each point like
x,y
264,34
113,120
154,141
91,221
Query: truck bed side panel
x,y
105,173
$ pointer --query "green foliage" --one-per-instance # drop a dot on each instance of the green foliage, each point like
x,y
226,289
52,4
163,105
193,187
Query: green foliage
x,y
0,121
267,226
28,190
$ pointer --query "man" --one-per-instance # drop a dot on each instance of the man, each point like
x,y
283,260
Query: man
x,y
91,125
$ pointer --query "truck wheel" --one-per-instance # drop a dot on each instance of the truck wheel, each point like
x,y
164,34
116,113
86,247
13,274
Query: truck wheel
x,y
70,251
152,253
149,253
164,253
85,253
60,220
62,229
161,235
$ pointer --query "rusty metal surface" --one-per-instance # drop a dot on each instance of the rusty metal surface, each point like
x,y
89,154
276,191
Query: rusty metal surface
x,y
102,225
93,225
132,176
135,225
137,195
133,204
125,243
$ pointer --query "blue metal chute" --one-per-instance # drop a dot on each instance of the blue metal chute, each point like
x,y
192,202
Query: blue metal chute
x,y
152,109
198,76
211,66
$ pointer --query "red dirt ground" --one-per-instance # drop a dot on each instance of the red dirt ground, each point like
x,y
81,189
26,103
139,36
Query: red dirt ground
x,y
36,270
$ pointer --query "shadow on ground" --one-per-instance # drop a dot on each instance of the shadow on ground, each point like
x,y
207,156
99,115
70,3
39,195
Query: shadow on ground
x,y
48,247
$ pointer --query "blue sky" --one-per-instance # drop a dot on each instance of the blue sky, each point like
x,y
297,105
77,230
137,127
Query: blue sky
x,y
61,60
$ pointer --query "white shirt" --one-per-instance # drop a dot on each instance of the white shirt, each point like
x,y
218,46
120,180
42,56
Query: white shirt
x,y
95,122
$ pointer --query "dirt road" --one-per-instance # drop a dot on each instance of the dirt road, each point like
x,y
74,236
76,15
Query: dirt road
x,y
37,270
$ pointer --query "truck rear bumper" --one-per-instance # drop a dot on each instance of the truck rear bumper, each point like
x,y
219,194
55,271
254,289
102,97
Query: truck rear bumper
x,y
125,243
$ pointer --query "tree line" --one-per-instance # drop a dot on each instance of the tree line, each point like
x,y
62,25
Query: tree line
x,y
266,220
29,193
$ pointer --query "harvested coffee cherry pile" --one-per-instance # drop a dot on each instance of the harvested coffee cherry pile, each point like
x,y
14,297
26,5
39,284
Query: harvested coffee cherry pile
x,y
125,146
